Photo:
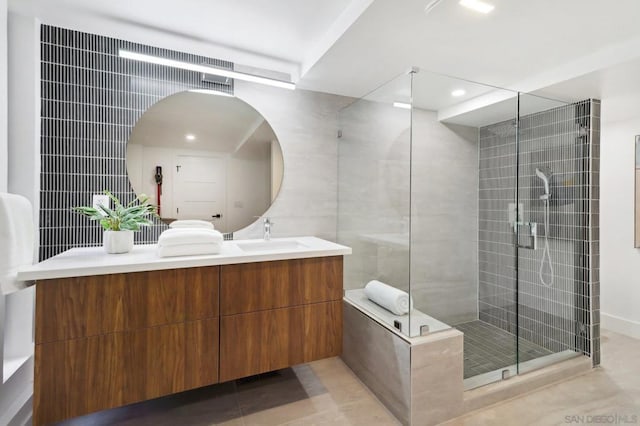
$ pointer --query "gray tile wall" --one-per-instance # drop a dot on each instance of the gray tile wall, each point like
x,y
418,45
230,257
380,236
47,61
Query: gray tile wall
x,y
91,99
593,302
562,140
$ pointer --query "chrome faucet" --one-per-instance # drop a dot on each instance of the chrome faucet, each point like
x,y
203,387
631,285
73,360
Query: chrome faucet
x,y
267,228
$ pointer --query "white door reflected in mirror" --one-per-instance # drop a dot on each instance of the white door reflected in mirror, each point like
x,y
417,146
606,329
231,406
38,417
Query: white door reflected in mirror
x,y
205,157
200,189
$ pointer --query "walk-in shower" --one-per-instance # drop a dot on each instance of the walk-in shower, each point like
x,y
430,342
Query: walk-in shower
x,y
484,209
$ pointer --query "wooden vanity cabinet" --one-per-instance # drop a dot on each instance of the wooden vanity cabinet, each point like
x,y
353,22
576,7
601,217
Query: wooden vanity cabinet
x,y
109,340
278,314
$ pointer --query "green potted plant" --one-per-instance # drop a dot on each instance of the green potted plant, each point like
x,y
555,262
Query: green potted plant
x,y
120,222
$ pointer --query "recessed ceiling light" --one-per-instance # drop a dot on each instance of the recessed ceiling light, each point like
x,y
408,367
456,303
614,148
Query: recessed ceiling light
x,y
403,105
458,92
477,5
190,137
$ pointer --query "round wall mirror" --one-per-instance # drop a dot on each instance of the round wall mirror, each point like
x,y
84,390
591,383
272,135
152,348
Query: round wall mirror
x,y
203,155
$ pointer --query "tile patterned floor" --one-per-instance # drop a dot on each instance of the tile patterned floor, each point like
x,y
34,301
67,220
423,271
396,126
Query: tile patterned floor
x,y
327,393
488,348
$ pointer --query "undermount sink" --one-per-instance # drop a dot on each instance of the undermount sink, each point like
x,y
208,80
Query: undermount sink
x,y
263,245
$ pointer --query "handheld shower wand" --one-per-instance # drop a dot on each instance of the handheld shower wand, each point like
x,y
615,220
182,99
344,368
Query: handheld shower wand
x,y
545,180
546,254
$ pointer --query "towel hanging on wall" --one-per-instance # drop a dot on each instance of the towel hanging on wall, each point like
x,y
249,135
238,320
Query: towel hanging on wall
x,y
17,240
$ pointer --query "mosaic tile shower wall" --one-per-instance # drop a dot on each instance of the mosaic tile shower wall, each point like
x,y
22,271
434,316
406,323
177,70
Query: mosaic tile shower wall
x,y
90,101
564,142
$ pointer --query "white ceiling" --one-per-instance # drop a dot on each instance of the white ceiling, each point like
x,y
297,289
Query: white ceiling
x,y
277,35
350,47
519,40
220,124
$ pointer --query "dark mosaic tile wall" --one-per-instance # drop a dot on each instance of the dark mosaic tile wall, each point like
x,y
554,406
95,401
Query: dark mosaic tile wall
x,y
564,140
91,100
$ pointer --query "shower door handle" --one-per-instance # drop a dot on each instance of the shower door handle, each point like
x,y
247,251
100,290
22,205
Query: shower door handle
x,y
528,240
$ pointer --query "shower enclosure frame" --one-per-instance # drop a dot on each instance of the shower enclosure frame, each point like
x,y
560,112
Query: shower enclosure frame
x,y
590,345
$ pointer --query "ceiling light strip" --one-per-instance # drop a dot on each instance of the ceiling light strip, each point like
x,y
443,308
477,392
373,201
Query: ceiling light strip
x,y
212,92
206,69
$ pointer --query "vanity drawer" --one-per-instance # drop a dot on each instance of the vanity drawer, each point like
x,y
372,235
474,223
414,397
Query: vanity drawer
x,y
259,342
76,377
259,286
72,308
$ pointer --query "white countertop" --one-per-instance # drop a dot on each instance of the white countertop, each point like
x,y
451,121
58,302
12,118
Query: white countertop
x,y
85,261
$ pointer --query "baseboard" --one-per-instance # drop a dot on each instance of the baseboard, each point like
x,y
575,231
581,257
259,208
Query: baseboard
x,y
19,413
620,325
15,396
24,416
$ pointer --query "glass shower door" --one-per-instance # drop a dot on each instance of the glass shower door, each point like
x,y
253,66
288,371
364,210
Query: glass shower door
x,y
463,209
553,196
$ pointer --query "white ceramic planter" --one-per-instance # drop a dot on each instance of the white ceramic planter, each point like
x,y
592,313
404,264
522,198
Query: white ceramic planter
x,y
118,241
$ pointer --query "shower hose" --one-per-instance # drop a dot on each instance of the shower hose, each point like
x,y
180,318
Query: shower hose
x,y
546,254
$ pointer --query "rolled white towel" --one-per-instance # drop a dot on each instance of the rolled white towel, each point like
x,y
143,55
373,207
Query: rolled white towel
x,y
179,236
390,298
191,223
189,249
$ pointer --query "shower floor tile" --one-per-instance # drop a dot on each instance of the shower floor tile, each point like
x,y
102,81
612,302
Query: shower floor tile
x,y
488,348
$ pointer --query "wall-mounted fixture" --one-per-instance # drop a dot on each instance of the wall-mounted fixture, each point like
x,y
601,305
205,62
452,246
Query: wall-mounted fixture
x,y
637,190
206,69
477,5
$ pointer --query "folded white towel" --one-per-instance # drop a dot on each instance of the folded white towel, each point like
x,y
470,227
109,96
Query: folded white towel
x,y
191,223
189,249
176,236
390,298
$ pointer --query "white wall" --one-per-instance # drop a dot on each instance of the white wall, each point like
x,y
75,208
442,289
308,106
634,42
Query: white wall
x,y
24,108
141,167
620,261
19,170
3,96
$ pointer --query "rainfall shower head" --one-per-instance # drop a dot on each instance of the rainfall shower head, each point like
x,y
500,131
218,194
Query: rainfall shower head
x,y
545,179
503,130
